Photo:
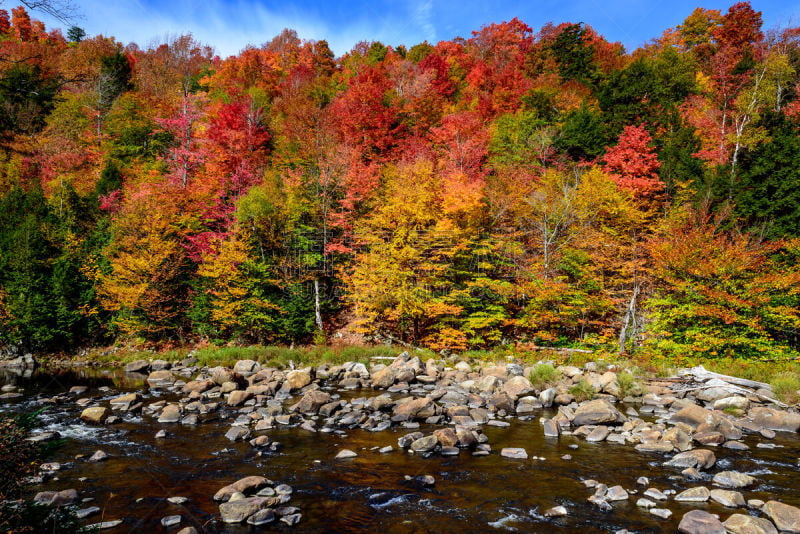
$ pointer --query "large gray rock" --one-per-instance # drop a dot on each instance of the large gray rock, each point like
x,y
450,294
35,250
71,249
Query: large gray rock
x,y
693,416
517,386
421,408
198,386
160,379
311,402
700,522
736,402
597,412
244,485
139,366
298,379
385,377
698,494
171,413
698,458
785,517
775,419
731,499
240,510
246,367
425,444
733,479
238,397
747,524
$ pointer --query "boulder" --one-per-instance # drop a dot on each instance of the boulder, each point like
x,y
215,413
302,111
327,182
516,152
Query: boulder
x,y
238,397
123,402
698,458
384,378
240,510
747,524
421,408
424,444
775,419
731,499
596,412
311,402
693,416
698,494
785,517
446,437
246,367
344,454
160,379
139,366
244,485
170,414
736,402
298,379
700,522
517,386
732,479
95,415
198,386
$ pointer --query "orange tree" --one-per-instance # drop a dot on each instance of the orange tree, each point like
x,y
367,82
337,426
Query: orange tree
x,y
722,293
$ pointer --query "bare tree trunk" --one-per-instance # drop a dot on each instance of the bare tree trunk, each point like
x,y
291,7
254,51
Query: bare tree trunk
x,y
317,312
630,318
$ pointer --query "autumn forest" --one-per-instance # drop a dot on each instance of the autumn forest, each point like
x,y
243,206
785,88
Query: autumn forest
x,y
520,185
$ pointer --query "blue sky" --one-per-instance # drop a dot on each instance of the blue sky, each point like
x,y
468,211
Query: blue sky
x,y
229,25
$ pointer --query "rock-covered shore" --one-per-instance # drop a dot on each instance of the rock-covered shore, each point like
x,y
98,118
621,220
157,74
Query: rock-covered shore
x,y
680,420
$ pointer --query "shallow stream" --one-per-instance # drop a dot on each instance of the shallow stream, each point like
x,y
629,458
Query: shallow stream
x,y
369,493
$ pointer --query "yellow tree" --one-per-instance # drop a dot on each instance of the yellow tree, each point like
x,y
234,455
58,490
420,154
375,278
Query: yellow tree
x,y
144,284
403,280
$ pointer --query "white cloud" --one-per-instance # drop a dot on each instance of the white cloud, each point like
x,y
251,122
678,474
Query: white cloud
x,y
230,26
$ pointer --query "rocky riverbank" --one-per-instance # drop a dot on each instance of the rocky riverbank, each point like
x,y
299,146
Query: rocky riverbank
x,y
443,408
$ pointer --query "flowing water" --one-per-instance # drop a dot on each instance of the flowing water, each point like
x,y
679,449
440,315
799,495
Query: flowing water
x,y
369,493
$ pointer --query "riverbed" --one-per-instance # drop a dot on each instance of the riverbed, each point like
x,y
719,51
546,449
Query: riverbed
x,y
373,492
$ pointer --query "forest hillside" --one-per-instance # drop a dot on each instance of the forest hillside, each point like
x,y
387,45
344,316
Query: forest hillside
x,y
519,185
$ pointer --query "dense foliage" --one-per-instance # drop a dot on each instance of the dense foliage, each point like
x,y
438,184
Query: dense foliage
x,y
545,187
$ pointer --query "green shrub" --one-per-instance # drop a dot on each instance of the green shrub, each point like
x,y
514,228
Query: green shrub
x,y
543,375
628,385
582,391
786,386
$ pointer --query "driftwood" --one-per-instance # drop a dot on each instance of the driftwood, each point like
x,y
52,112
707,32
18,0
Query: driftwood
x,y
701,374
734,384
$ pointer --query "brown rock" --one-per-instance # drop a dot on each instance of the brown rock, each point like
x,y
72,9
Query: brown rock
x,y
700,522
775,419
446,437
596,412
785,517
747,524
95,415
238,397
244,485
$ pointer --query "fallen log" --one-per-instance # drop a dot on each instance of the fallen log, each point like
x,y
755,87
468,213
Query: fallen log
x,y
701,374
